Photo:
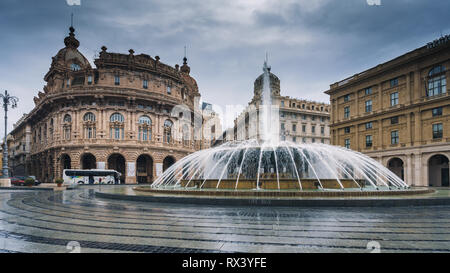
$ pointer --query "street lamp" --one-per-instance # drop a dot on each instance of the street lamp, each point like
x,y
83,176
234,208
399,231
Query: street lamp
x,y
7,99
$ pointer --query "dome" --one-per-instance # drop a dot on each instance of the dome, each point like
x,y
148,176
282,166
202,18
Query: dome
x,y
274,84
69,56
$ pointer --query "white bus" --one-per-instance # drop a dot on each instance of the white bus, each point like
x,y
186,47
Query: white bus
x,y
92,176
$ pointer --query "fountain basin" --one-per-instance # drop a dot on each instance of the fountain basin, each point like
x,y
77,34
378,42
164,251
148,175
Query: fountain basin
x,y
273,184
288,198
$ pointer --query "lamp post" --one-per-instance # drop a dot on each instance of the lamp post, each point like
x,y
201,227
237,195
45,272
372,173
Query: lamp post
x,y
7,99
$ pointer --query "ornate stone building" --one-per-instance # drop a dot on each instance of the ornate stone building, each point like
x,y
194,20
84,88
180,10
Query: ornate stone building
x,y
301,121
399,113
131,113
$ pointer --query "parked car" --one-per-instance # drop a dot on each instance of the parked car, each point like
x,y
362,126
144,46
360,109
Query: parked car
x,y
17,181
20,180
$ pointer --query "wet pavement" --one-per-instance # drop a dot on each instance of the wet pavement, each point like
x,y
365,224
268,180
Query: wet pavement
x,y
77,221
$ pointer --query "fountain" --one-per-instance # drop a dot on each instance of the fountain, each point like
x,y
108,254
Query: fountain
x,y
268,164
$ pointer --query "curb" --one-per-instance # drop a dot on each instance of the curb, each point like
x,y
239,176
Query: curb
x,y
328,202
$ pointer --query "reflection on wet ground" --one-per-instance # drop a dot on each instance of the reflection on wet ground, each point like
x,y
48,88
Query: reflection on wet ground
x,y
45,221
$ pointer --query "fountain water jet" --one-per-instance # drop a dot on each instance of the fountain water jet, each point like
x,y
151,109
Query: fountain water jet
x,y
271,164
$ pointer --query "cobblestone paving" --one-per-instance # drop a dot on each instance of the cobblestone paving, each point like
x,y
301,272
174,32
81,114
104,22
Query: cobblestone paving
x,y
44,221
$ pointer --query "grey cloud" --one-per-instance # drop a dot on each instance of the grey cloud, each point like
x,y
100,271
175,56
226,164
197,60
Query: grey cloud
x,y
311,44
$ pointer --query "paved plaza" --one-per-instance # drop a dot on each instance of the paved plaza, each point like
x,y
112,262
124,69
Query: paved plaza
x,y
47,221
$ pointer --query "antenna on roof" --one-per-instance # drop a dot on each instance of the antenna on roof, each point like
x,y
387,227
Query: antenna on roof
x,y
71,19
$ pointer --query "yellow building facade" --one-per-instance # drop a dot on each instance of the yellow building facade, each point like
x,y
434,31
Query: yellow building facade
x,y
399,114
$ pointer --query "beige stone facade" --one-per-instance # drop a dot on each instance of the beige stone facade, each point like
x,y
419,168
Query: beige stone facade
x,y
301,121
131,113
399,114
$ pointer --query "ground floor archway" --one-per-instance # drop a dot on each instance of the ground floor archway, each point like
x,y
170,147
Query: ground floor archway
x,y
438,171
88,161
144,169
396,166
117,162
167,162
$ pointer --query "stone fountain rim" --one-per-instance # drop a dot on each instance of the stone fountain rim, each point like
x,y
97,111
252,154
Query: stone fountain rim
x,y
334,201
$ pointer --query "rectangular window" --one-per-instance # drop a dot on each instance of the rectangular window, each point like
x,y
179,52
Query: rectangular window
x,y
346,97
394,137
169,90
313,129
394,120
368,106
369,125
313,140
304,128
304,117
347,112
437,111
394,82
394,98
347,143
347,130
282,103
322,130
313,118
437,130
89,79
368,141
145,84
116,80
282,126
294,127
294,139
368,91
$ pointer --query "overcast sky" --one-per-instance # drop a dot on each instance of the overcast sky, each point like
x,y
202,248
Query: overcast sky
x,y
311,43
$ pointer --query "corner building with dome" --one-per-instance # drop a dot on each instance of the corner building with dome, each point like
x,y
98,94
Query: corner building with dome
x,y
117,115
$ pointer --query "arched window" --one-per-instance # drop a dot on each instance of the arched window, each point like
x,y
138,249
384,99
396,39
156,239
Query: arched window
x,y
51,129
116,117
437,83
168,131
67,127
89,116
117,126
89,125
186,134
145,120
145,129
74,67
67,118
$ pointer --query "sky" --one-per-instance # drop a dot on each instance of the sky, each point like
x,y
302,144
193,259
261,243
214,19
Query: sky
x,y
310,43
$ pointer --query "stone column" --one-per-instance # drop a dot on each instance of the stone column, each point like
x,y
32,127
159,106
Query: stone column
x,y
380,133
408,89
417,86
408,129
357,137
417,128
418,170
408,170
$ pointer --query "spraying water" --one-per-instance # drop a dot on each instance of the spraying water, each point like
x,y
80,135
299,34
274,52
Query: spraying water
x,y
268,163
